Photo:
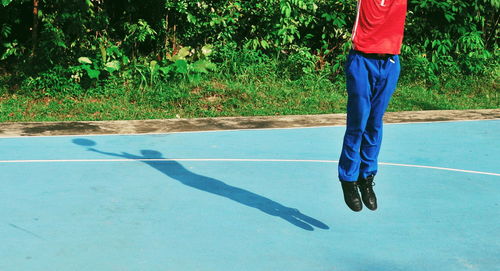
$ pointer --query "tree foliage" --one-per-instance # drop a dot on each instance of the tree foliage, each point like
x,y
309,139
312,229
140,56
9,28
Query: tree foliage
x,y
96,38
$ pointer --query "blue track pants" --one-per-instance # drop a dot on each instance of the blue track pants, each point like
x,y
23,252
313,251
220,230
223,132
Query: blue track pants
x,y
371,81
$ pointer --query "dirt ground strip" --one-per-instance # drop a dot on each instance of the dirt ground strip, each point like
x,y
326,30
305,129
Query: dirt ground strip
x,y
13,129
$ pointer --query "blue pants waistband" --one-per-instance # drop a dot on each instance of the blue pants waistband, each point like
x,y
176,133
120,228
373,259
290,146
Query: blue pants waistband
x,y
373,56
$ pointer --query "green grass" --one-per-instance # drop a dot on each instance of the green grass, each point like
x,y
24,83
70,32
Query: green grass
x,y
250,92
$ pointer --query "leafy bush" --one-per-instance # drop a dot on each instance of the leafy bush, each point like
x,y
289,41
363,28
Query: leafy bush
x,y
455,35
54,83
154,39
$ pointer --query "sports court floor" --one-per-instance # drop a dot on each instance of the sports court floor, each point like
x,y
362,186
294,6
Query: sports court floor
x,y
250,200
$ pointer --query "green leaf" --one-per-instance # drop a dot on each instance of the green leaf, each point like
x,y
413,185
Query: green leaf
x,y
104,54
211,66
184,51
264,44
166,70
182,54
113,66
181,66
191,18
153,65
203,66
207,50
6,30
6,2
449,17
93,74
61,44
84,60
125,60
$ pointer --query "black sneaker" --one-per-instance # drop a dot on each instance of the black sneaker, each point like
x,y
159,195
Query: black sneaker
x,y
367,193
351,195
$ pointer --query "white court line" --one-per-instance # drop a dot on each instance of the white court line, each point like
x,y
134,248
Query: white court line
x,y
234,160
441,168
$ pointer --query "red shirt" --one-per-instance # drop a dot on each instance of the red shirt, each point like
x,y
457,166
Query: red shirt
x,y
379,26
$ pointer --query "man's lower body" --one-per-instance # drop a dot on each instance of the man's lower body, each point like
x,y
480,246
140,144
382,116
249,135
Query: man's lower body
x,y
371,81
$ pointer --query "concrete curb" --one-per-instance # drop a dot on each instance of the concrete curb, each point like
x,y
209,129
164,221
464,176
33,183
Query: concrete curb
x,y
10,129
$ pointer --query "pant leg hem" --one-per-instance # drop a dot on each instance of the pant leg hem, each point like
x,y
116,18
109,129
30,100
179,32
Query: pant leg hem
x,y
344,180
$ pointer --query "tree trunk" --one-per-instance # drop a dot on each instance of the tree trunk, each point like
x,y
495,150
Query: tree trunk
x,y
34,33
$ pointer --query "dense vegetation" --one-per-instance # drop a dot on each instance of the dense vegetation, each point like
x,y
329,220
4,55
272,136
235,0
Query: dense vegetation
x,y
204,58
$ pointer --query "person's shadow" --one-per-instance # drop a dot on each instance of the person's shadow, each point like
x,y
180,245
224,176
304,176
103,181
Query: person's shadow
x,y
178,172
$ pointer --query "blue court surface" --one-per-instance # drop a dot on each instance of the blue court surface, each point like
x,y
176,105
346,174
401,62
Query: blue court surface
x,y
250,200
